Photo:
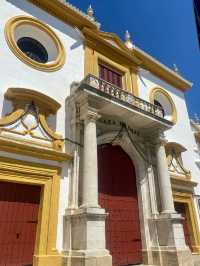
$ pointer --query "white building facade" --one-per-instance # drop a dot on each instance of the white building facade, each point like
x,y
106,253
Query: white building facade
x,y
87,122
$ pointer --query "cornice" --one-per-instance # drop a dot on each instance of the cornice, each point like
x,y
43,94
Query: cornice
x,y
73,16
48,104
103,40
12,146
67,13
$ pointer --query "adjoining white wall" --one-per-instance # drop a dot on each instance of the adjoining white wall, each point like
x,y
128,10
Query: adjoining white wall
x,y
181,132
15,73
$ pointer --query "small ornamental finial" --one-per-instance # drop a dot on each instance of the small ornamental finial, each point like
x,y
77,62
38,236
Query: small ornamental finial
x,y
127,36
128,41
90,12
175,68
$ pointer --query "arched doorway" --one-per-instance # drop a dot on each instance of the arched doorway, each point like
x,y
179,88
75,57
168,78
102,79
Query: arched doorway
x,y
118,196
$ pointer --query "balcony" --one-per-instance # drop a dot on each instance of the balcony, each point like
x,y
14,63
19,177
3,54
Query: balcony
x,y
116,102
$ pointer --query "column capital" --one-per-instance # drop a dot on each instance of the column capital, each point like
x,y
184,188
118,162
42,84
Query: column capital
x,y
157,139
161,140
89,114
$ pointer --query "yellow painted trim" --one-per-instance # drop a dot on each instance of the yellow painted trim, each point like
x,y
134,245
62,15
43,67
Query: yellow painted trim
x,y
152,95
187,199
57,139
18,147
176,146
126,78
64,13
9,34
113,45
92,60
184,180
11,118
134,79
46,103
20,97
48,178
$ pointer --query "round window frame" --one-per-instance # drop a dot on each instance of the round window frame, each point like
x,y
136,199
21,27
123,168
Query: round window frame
x,y
10,27
157,90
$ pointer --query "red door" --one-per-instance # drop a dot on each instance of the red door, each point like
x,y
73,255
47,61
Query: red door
x,y
118,195
181,209
19,205
110,75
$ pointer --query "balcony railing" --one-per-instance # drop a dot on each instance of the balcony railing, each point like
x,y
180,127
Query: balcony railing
x,y
111,91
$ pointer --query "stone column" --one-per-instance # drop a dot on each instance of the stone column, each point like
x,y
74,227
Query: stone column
x,y
90,164
167,202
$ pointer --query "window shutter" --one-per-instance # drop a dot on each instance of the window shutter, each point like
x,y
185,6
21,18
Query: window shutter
x,y
110,75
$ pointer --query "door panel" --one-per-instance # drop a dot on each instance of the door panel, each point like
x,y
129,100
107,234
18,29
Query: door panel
x,y
181,209
19,205
118,195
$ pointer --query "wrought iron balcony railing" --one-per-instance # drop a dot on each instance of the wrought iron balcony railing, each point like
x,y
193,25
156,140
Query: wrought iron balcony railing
x,y
111,91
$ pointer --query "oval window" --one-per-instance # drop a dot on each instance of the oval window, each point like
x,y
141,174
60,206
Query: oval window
x,y
35,43
33,49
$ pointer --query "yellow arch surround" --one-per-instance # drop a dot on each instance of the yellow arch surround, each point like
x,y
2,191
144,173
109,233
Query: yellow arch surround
x,y
152,95
48,178
23,20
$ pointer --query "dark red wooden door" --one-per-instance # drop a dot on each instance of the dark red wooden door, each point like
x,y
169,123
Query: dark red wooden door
x,y
181,209
118,195
110,75
19,205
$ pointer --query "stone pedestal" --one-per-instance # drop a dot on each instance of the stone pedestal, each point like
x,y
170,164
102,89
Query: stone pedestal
x,y
172,248
88,238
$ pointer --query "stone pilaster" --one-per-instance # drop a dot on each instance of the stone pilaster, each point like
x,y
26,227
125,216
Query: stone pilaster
x,y
166,197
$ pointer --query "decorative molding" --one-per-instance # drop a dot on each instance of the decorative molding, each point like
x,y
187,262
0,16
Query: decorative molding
x,y
110,44
27,123
47,177
183,182
152,95
187,199
44,102
175,163
15,22
18,147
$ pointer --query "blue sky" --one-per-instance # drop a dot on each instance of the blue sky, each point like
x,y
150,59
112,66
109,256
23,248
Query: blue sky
x,y
165,29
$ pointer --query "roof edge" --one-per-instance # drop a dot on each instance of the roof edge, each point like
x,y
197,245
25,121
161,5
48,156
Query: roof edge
x,y
67,13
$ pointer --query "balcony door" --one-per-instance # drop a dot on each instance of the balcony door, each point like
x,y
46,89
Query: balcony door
x,y
110,75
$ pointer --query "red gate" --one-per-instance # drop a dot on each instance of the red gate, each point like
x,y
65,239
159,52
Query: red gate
x,y
19,205
118,195
181,209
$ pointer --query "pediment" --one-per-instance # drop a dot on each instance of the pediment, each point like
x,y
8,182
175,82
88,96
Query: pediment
x,y
114,40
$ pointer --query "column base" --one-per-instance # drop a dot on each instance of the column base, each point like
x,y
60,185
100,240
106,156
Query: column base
x,y
89,261
48,260
170,231
163,257
87,238
172,250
